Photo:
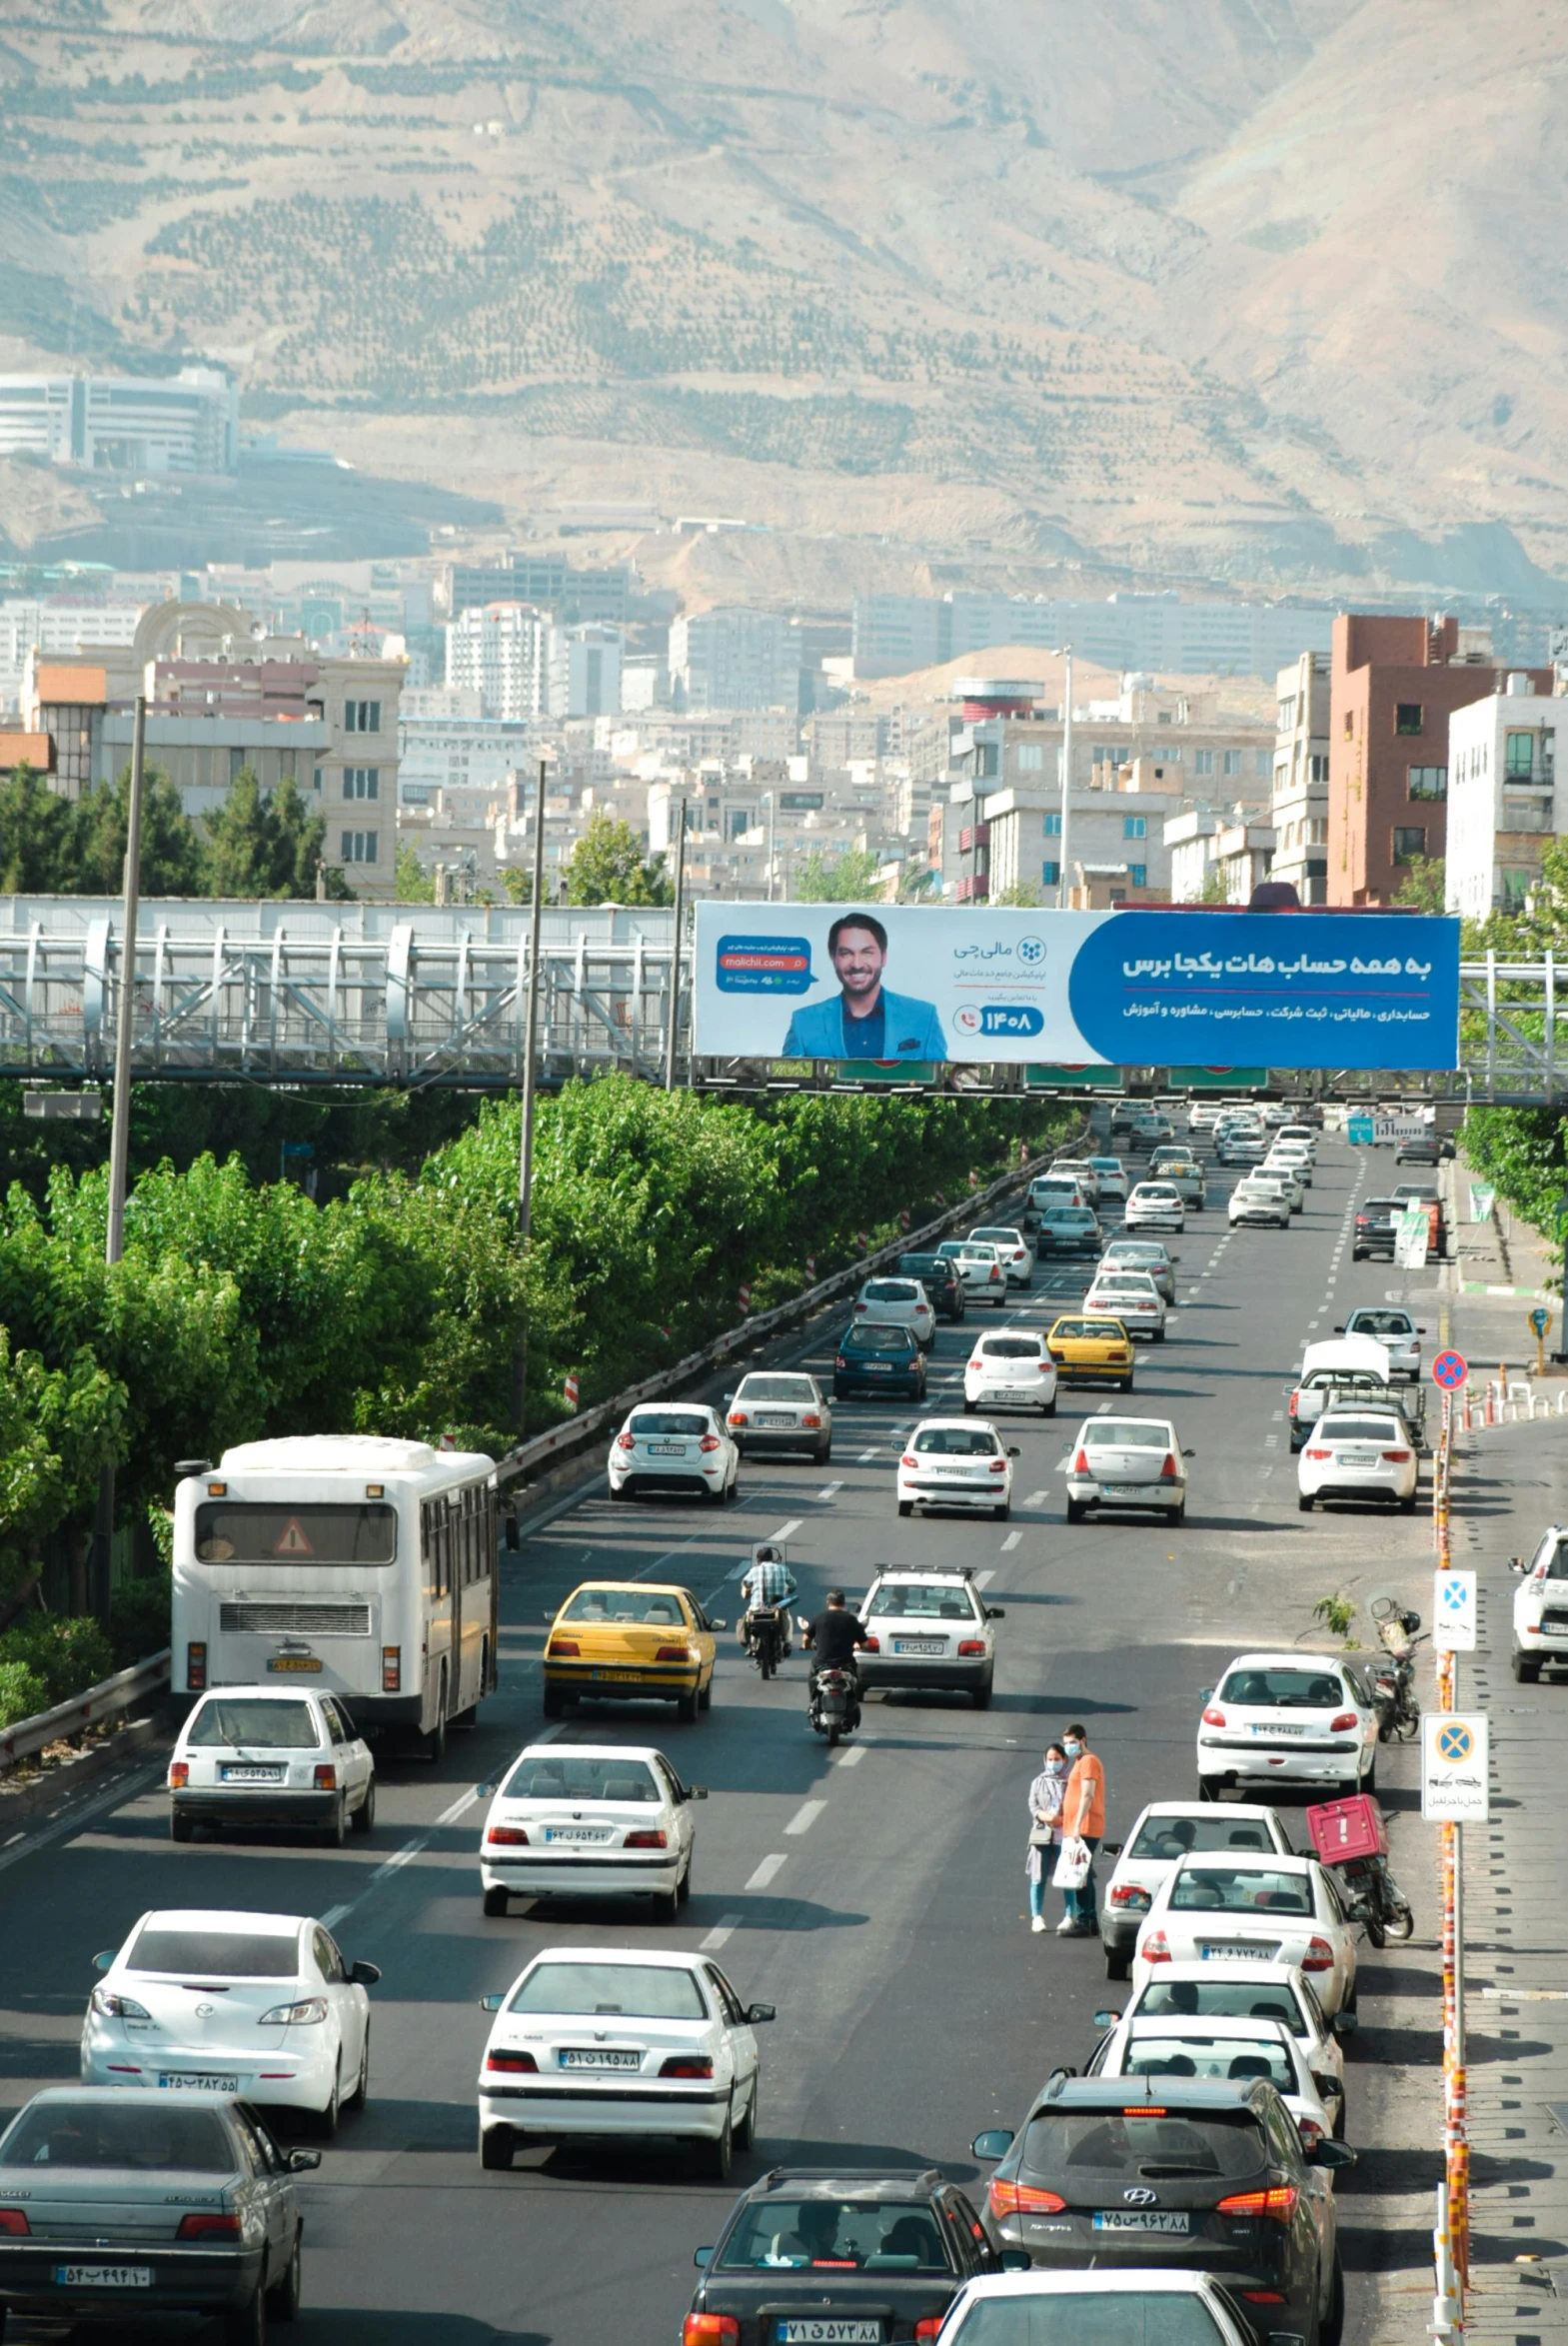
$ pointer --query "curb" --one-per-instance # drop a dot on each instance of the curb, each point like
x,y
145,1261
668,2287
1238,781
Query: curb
x,y
18,1801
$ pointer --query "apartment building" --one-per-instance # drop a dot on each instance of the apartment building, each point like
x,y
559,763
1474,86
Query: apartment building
x,y
894,634
1394,684
502,650
1299,809
1012,840
731,658
463,753
1507,795
1215,858
584,670
184,423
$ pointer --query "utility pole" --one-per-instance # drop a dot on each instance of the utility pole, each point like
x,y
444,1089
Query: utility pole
x,y
530,1055
773,839
1064,885
672,1020
120,1129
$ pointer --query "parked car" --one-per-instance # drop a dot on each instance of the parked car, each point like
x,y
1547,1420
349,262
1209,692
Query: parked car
x,y
1063,2309
1253,1906
1540,1609
1182,2046
1247,1989
1288,1718
1163,1833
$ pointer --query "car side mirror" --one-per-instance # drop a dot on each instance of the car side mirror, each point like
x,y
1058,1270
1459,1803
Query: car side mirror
x,y
1189,1453
493,2001
364,1974
1111,1848
995,2143
103,1962
1344,2025
995,1612
485,1791
697,1791
303,2162
1515,1565
1015,2260
1014,1453
758,2015
1107,2019
701,2258
718,1623
1340,1327
728,1397
1329,2153
548,1621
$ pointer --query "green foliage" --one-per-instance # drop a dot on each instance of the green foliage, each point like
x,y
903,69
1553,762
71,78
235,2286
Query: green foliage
x,y
257,843
607,866
1424,885
411,884
22,1693
58,1427
1524,1151
66,1657
171,853
1215,889
834,880
267,843
1337,1613
139,1618
1023,893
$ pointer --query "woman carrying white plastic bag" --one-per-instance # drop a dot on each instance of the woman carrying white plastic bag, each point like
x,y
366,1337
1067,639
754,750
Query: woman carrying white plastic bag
x,y
1046,1798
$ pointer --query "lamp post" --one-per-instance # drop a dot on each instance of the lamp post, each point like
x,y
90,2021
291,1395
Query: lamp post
x,y
773,839
530,1055
672,1016
1063,884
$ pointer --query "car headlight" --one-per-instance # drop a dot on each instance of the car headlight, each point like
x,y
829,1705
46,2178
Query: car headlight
x,y
304,2014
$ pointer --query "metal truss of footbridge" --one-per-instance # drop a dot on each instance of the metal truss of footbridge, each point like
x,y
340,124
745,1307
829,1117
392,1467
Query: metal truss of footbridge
x,y
407,996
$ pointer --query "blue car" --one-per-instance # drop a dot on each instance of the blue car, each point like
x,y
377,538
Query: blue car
x,y
880,1359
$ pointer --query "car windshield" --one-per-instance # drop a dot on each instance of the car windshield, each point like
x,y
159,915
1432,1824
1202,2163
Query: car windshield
x,y
1156,2054
1380,1323
125,2134
645,1424
880,1340
1240,1890
777,1388
1010,1348
1125,1283
212,1952
1220,1998
951,1250
978,1254
1135,1251
654,1606
630,1991
934,1600
1112,1165
229,1719
1153,1191
1076,1217
890,1291
1359,1429
1127,1434
1382,1205
958,1441
866,2235
1000,1237
924,1265
1100,1330
560,1775
1078,2151
1262,1686
1179,1836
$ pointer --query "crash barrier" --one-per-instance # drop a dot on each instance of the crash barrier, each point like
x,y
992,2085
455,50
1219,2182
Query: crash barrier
x,y
577,1433
1451,2236
105,1701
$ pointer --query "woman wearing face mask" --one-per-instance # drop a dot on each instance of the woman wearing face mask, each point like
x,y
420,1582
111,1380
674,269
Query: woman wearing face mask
x,y
1045,1797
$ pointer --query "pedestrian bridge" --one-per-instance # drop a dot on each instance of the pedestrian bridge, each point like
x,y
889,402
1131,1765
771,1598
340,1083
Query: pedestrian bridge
x,y
416,994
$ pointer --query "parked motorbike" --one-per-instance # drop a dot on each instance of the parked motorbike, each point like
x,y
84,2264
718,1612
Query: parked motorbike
x,y
1376,1899
766,1634
1399,1709
1350,1836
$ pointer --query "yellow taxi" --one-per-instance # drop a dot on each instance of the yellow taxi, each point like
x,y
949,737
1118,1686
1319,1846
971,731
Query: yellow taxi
x,y
1089,1349
630,1642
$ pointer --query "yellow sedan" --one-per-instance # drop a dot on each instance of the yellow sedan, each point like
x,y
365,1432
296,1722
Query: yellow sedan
x,y
630,1642
1091,1350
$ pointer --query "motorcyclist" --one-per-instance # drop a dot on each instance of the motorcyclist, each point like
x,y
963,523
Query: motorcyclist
x,y
832,1639
769,1582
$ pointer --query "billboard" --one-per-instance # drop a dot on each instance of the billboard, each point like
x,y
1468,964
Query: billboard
x,y
922,983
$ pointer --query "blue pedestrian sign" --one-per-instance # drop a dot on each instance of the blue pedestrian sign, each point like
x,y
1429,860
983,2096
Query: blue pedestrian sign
x,y
1449,1371
1454,1610
1358,1131
1540,1319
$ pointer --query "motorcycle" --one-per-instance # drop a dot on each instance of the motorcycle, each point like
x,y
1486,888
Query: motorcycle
x,y
1376,1899
767,1633
835,1703
1399,1709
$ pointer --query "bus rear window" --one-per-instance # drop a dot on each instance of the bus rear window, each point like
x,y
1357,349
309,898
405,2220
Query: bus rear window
x,y
272,1531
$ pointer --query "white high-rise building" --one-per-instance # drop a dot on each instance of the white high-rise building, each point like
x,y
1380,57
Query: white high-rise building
x,y
1507,787
730,657
585,670
185,422
502,650
55,624
1299,809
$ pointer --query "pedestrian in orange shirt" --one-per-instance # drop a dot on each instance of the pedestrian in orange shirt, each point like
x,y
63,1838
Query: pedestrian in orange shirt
x,y
1083,1820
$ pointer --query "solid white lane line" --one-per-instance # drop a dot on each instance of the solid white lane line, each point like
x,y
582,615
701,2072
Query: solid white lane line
x,y
806,1816
854,1756
829,1491
766,1871
725,1929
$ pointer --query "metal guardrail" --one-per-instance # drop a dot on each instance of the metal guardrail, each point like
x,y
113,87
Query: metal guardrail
x,y
578,1432
83,1710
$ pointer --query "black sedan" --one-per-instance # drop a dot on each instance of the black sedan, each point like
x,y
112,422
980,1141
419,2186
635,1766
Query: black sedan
x,y
813,2253
878,1359
1374,1230
938,1275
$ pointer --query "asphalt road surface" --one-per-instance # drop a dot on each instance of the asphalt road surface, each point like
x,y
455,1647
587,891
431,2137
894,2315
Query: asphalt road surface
x,y
876,1894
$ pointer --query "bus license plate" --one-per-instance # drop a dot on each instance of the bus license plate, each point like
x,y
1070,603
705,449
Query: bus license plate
x,y
294,1664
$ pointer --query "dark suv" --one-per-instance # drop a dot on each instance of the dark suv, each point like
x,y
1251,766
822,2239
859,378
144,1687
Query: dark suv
x,y
1374,1232
874,1356
818,2253
938,1275
1167,2170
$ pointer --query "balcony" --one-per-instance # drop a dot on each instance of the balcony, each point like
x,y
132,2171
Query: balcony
x,y
972,835
1526,815
974,889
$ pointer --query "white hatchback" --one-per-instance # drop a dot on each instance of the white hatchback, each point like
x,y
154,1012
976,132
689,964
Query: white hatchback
x,y
1252,1908
1156,1205
271,1756
1013,1251
896,1303
590,1820
1217,2052
1295,1718
262,2006
625,2042
1011,1369
1150,1254
1164,1833
954,1463
1287,1179
1111,1175
1131,1296
1256,1991
674,1446
1127,1463
1399,1335
1358,1454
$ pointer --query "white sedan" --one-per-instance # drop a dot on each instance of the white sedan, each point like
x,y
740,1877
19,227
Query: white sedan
x,y
950,1463
1011,1369
1164,1833
1250,1991
1296,1718
1111,1175
590,1820
1541,1606
618,2041
674,1446
1156,1205
1253,1909
1287,1179
1139,2301
205,2000
898,1302
1295,1157
1085,1171
1131,1296
979,1267
1358,1454
1259,1202
1013,1251
1127,1463
1221,2050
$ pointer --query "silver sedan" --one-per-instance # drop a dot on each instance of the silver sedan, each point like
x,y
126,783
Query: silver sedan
x,y
1127,1463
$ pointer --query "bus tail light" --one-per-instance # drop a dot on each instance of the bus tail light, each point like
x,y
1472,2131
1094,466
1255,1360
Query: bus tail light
x,y
390,1669
326,1776
196,1668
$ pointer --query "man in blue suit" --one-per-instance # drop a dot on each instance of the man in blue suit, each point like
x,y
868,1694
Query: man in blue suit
x,y
865,1021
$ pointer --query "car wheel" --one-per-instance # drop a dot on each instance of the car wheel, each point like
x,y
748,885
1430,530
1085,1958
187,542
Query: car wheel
x,y
1118,1966
283,2298
1332,2328
496,1903
825,1454
1003,1512
246,2325
1526,1672
1178,1515
686,1709
1208,1787
1305,1502
684,1887
906,1506
1407,1506
495,2147
969,1407
335,1833
619,1494
1368,1783
1075,1511
715,2155
704,1695
554,1703
436,1740
364,1818
667,1904
1125,1386
981,1695
746,2132
360,2094
181,1827
1048,1409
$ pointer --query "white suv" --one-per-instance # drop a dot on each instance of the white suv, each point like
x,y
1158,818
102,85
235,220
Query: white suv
x,y
930,1630
1541,1606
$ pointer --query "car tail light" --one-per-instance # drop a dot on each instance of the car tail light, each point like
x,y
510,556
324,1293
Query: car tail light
x,y
929,2325
976,1362
1056,1356
1278,2201
562,1649
626,1441
1263,2296
709,1442
1130,1893
1045,1364
710,2329
1319,1453
1398,1457
686,2065
1155,1949
999,1465
391,1668
810,1419
13,2223
1081,1463
1319,1955
862,1306
309,2012
654,1839
506,1836
205,2223
515,2065
1167,1472
179,1775
1310,2131
907,1460
736,1417
676,1653
995,1272
874,1646
117,2007
1213,1717
972,1645
1018,2199
196,1668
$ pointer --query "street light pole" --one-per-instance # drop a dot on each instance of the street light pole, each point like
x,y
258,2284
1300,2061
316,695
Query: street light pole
x,y
1064,883
772,840
120,1129
530,1055
672,1016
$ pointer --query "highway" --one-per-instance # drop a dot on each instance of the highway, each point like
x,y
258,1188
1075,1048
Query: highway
x,y
876,1896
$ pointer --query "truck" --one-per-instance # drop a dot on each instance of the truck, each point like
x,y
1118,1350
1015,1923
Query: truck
x,y
1358,1371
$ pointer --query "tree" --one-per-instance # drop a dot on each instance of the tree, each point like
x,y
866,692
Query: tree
x,y
267,843
411,884
35,836
1216,887
841,879
1023,893
1424,887
607,866
171,850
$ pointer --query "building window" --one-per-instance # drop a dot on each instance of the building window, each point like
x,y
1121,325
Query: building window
x,y
1138,874
1428,782
1286,721
1408,716
236,765
1203,762
1520,754
362,782
1134,827
1350,725
315,779
1409,842
1317,769
1263,760
1050,872
362,717
1031,757
1053,827
362,846
1233,763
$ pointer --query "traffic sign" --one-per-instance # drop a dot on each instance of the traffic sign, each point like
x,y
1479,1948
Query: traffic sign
x,y
1358,1131
1449,1371
1453,1611
1454,1778
1540,1319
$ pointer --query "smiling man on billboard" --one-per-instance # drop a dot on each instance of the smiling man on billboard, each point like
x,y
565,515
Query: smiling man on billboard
x,y
865,1020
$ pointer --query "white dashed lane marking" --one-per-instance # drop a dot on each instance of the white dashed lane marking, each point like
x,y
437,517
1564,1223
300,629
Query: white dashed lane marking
x,y
767,1870
724,1930
806,1816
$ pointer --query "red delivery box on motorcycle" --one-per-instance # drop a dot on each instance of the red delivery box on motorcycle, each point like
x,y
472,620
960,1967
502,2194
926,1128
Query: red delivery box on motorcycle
x,y
1343,1830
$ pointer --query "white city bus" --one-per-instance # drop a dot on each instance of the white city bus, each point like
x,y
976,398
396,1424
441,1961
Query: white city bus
x,y
366,1567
